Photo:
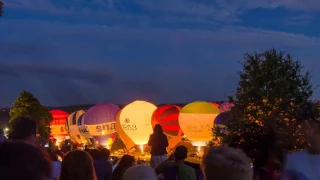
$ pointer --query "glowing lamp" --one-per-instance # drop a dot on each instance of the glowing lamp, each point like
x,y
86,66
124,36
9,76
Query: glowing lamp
x,y
135,120
58,124
72,127
196,121
168,117
100,122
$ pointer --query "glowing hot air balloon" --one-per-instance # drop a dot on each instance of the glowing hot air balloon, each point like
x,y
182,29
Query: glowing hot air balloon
x,y
58,125
167,117
214,104
73,129
122,135
100,121
196,121
226,106
84,131
135,120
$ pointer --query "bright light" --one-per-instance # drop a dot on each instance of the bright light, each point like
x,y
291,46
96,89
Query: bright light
x,y
103,132
199,148
6,129
141,147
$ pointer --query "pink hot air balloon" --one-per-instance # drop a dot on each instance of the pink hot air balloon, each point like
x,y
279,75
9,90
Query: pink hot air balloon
x,y
226,106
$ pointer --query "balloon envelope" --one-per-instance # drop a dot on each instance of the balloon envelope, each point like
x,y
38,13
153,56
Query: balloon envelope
x,y
226,106
223,118
135,120
72,127
214,104
122,135
196,121
100,121
168,117
58,124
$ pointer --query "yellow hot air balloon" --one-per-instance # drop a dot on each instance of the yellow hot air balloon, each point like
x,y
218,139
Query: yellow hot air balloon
x,y
196,121
122,135
135,120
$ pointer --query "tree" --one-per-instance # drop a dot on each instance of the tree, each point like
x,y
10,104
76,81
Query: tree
x,y
272,98
1,7
28,105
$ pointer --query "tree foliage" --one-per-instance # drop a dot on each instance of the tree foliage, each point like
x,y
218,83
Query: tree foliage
x,y
28,105
1,8
272,98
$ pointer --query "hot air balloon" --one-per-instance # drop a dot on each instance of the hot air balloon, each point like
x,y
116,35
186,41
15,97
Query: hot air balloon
x,y
135,120
214,104
122,135
167,117
196,121
226,106
100,121
73,129
58,125
84,131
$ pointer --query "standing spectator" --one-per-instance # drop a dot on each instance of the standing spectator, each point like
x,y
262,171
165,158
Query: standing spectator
x,y
140,173
305,165
125,162
24,129
102,165
225,163
2,137
158,142
23,161
185,172
77,165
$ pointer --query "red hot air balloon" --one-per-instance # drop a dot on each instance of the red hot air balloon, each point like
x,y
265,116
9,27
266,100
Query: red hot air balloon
x,y
58,125
214,104
167,117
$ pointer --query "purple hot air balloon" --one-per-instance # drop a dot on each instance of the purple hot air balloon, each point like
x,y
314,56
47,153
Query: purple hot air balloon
x,y
100,121
223,118
226,106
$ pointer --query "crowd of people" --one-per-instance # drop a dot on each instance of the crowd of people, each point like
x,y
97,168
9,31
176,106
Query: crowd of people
x,y
21,158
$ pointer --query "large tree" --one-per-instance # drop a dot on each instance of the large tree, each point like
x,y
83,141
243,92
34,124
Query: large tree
x,y
28,105
1,7
272,98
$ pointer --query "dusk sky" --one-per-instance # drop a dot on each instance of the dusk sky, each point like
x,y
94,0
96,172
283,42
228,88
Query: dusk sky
x,y
164,51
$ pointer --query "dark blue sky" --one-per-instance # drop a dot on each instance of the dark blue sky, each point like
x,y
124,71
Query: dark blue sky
x,y
89,51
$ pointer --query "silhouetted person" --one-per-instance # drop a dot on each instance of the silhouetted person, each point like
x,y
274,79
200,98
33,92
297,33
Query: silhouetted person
x,y
23,129
158,142
225,163
77,165
305,165
2,137
177,160
125,162
23,161
102,165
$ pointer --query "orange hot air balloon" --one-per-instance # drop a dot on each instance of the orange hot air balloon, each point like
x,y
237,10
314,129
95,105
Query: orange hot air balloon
x,y
122,135
168,117
214,104
58,125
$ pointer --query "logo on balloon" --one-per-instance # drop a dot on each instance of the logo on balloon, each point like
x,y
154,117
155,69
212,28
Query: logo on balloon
x,y
106,127
127,120
129,127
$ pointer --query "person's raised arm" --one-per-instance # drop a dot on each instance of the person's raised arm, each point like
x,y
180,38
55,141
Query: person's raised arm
x,y
166,141
150,141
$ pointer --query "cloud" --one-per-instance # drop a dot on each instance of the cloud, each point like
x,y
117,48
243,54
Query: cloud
x,y
37,69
